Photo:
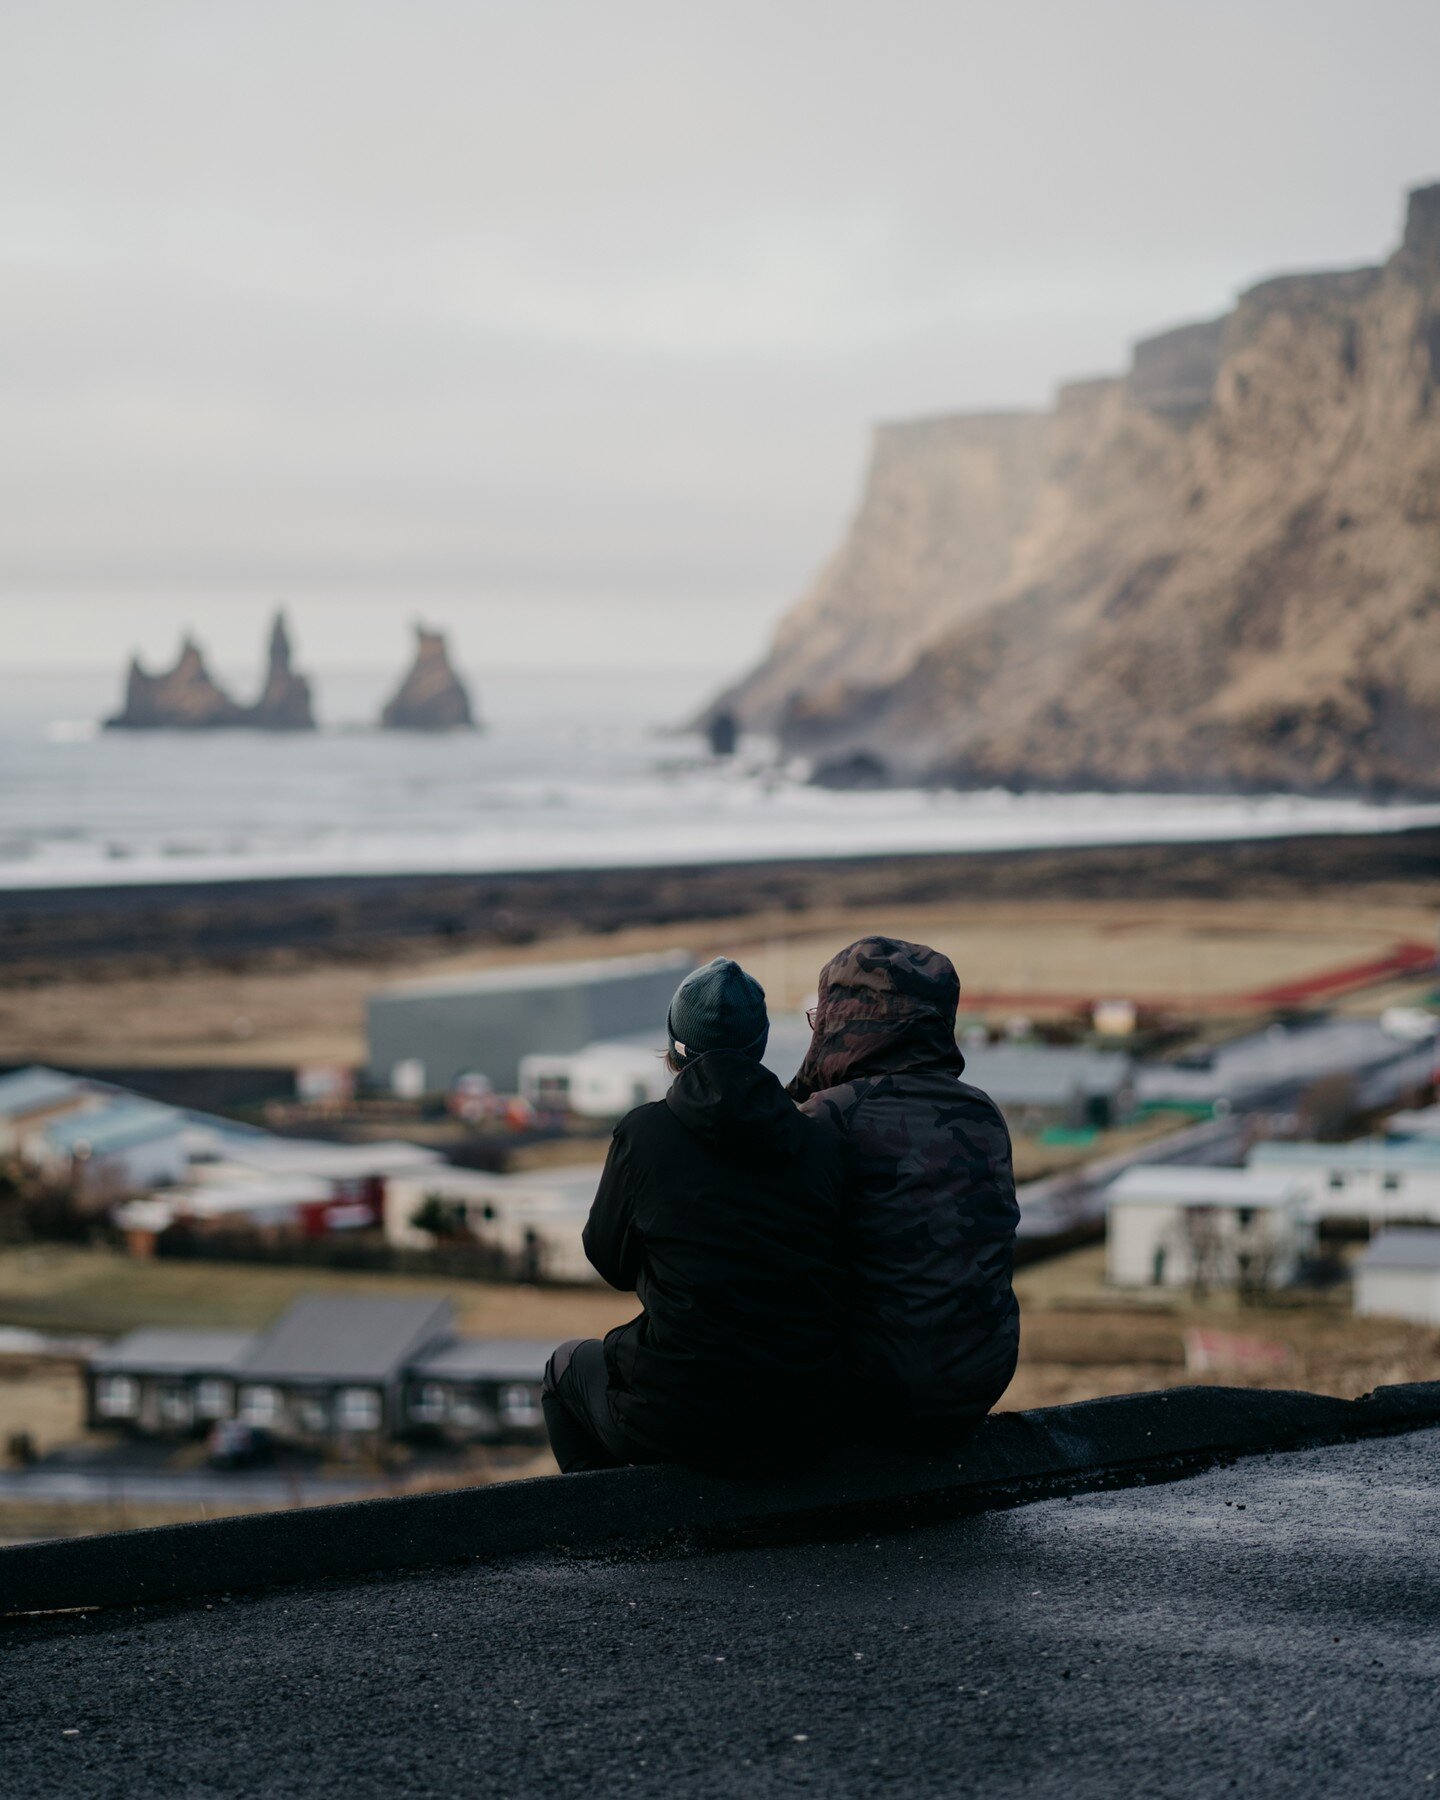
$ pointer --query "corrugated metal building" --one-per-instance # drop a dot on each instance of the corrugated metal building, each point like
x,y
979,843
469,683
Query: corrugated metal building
x,y
484,1023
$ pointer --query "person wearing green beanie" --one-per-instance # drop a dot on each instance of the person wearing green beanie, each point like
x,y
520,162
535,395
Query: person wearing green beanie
x,y
720,1207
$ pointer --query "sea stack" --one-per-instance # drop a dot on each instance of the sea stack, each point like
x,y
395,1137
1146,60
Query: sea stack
x,y
432,696
284,703
185,698
188,697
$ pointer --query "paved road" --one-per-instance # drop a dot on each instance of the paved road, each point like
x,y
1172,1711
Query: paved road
x,y
1266,1629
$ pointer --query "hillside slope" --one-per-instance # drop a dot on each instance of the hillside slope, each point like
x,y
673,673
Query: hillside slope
x,y
1221,570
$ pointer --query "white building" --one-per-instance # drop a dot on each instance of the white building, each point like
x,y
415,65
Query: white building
x,y
118,1148
1421,1122
1178,1225
534,1220
1372,1180
602,1081
1398,1277
31,1098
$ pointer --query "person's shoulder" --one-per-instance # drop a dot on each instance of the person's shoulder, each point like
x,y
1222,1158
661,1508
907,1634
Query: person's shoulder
x,y
643,1123
977,1099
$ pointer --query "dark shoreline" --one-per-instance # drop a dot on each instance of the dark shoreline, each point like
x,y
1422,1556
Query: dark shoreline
x,y
349,916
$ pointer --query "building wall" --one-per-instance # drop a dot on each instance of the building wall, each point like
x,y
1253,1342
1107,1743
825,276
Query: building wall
x,y
1399,1294
1168,1246
1415,1195
456,1033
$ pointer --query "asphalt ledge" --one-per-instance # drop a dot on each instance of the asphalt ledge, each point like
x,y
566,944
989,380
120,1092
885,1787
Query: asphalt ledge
x,y
1011,1459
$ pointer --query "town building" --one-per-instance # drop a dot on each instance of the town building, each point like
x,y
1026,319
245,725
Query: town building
x,y
278,1188
428,1033
1398,1277
1036,1085
605,1080
478,1390
332,1370
1417,1122
1276,1065
103,1153
31,1098
533,1222
1182,1225
1373,1181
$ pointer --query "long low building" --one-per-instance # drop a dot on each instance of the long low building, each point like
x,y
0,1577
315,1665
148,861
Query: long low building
x,y
533,1221
332,1370
1374,1181
1180,1225
423,1035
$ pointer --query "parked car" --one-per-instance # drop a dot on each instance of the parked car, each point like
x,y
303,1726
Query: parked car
x,y
233,1445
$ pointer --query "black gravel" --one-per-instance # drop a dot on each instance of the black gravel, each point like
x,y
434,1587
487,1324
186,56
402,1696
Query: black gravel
x,y
1268,1629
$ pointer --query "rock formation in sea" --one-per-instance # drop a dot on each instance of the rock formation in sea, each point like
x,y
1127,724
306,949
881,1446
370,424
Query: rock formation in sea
x,y
188,698
432,696
284,703
1219,570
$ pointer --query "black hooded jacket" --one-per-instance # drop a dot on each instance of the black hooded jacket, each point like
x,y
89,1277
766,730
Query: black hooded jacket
x,y
720,1206
932,1325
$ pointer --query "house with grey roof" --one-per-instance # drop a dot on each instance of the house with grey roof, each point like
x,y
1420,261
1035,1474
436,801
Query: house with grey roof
x,y
30,1098
1398,1277
334,1369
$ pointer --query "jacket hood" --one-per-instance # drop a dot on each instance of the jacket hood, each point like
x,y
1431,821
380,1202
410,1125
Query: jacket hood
x,y
724,1097
886,1007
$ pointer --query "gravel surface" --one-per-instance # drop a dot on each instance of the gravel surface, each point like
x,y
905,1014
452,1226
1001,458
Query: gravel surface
x,y
1270,1628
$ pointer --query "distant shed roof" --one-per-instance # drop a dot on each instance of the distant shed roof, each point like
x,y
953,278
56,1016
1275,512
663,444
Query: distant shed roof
x,y
326,1337
1185,1184
523,977
1045,1074
116,1126
1363,1156
33,1089
1415,1251
161,1350
485,1359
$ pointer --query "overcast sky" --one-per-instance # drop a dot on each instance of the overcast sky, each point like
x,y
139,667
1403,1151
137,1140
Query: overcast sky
x,y
564,324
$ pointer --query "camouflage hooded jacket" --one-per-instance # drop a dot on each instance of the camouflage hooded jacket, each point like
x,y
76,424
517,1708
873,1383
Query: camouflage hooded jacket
x,y
930,1212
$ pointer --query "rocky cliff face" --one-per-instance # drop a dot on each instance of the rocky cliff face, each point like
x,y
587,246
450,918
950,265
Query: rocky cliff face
x,y
188,698
432,696
1221,570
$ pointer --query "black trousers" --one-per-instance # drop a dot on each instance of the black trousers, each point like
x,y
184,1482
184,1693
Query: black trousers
x,y
576,1400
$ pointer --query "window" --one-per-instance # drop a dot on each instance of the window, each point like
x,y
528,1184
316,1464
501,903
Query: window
x,y
312,1413
175,1406
117,1396
468,1412
1337,1180
259,1405
427,1403
213,1398
1391,1183
1245,1217
520,1405
357,1409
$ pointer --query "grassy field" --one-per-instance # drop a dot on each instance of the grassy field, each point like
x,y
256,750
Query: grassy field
x,y
290,1007
58,1288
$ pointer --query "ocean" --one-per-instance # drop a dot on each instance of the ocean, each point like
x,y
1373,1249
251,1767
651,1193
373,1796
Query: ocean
x,y
575,769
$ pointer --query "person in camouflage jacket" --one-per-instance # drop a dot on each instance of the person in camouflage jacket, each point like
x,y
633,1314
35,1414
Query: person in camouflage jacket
x,y
929,1211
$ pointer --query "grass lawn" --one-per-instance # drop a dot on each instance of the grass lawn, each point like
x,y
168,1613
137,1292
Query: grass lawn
x,y
61,1288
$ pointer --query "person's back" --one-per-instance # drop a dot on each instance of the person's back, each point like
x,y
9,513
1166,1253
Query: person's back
x,y
720,1205
933,1328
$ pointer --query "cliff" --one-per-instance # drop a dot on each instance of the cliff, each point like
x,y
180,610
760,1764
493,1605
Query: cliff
x,y
188,698
432,696
1221,570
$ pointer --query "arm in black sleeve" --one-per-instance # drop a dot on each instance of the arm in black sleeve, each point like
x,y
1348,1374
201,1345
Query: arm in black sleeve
x,y
612,1238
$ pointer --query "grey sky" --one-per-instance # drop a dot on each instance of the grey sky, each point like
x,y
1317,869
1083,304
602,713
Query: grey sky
x,y
564,324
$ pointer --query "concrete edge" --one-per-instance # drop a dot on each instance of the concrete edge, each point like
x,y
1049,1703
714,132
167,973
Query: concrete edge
x,y
1012,1458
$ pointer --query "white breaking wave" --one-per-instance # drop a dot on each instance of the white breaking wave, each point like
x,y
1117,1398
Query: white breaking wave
x,y
572,774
